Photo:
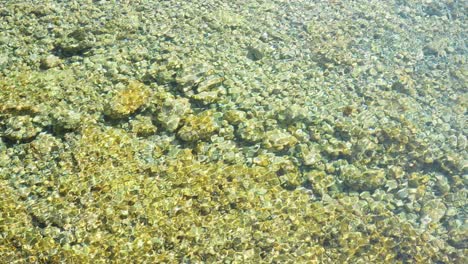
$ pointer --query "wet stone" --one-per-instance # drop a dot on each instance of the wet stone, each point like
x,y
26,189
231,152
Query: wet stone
x,y
20,128
128,100
50,61
433,211
254,54
172,112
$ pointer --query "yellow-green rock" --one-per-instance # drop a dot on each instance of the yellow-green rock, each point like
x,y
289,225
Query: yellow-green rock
x,y
200,126
128,100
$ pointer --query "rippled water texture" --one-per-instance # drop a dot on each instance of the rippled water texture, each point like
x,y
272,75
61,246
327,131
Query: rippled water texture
x,y
233,131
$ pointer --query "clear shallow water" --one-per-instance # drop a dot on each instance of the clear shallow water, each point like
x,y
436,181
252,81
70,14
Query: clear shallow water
x,y
252,132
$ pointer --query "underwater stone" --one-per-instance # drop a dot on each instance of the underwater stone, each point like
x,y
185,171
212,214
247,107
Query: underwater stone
x,y
76,43
310,154
128,100
172,112
183,202
442,184
207,97
200,126
433,211
209,83
50,61
368,180
227,19
262,160
235,116
161,73
293,113
336,148
287,172
396,172
278,140
457,237
46,144
462,142
192,74
207,91
320,180
21,128
251,130
391,185
290,180
64,119
4,159
254,53
143,126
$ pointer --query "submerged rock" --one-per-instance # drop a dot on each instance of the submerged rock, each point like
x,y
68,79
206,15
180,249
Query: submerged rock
x,y
432,211
128,100
278,140
19,128
172,112
200,126
50,61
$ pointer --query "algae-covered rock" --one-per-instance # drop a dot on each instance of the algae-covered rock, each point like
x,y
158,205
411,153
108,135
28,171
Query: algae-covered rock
x,y
209,83
4,158
207,97
200,126
319,180
251,130
20,128
293,113
356,179
228,18
458,237
433,211
310,154
192,74
235,116
128,100
337,148
255,53
50,61
288,173
201,84
219,150
143,126
278,140
65,119
442,184
172,111
75,43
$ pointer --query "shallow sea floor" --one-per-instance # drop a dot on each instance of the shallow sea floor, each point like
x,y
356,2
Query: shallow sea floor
x,y
233,131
